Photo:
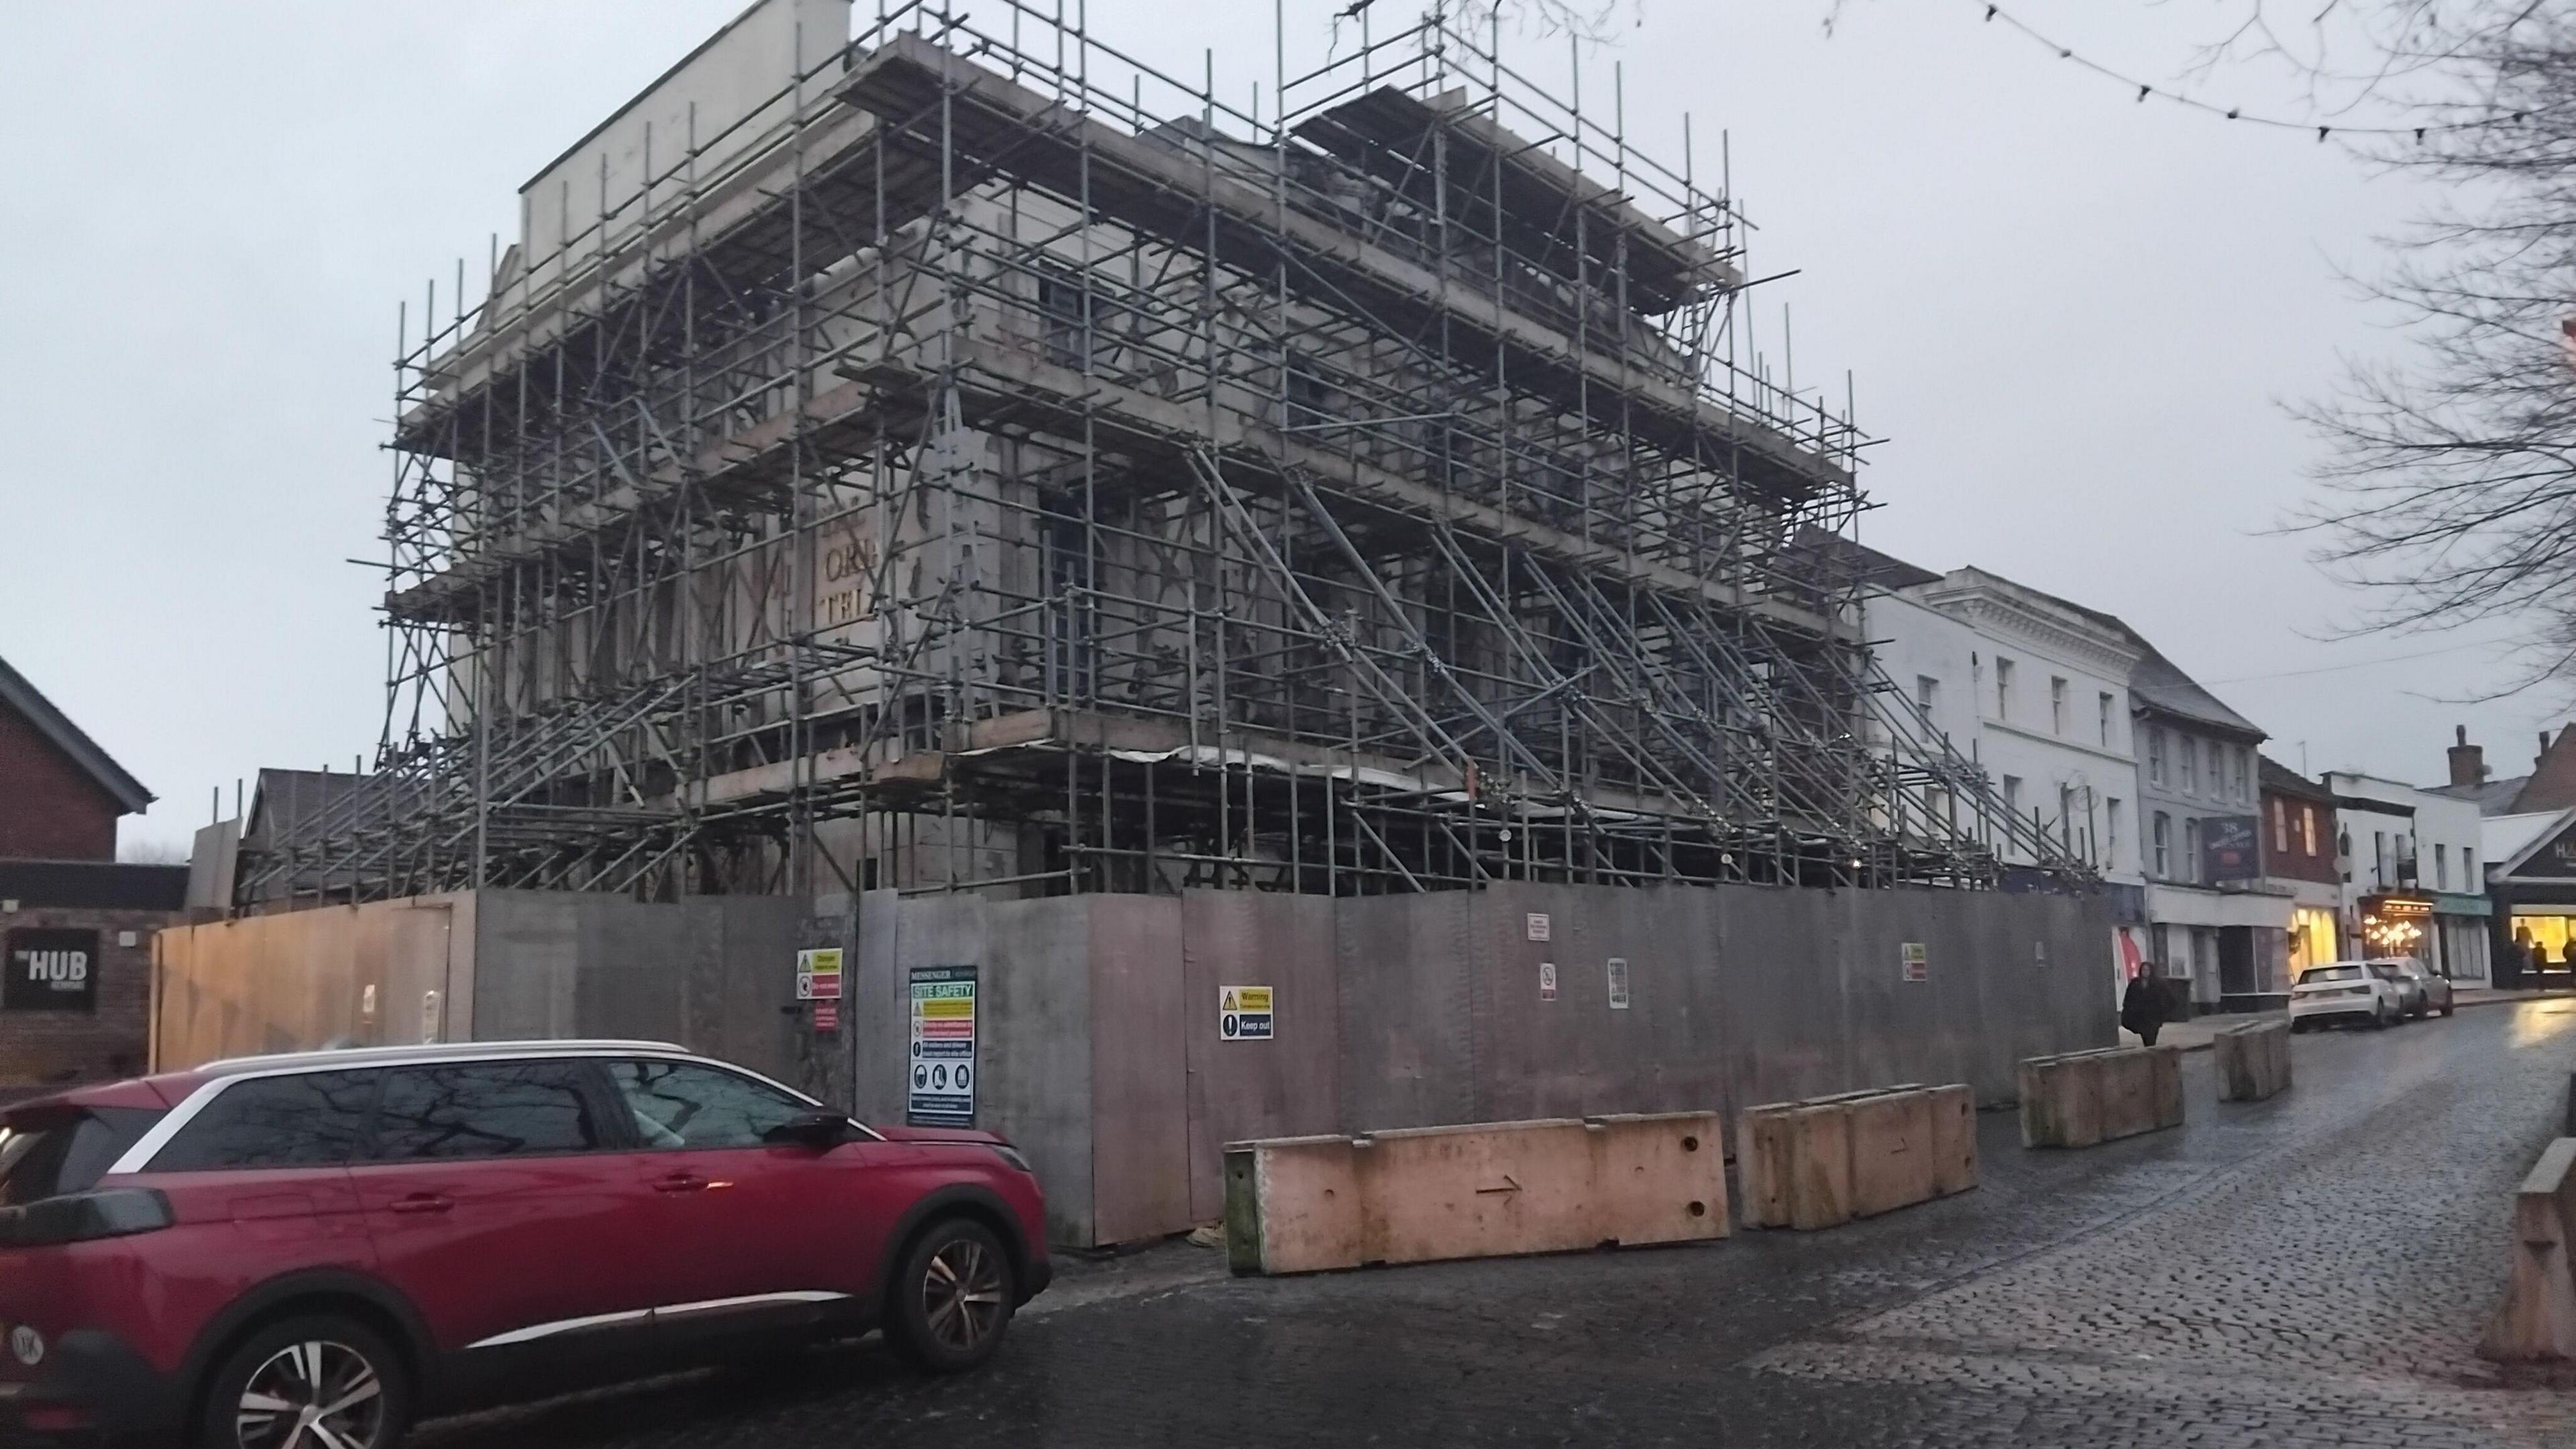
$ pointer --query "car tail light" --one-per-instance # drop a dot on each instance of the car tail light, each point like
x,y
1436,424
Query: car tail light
x,y
79,1217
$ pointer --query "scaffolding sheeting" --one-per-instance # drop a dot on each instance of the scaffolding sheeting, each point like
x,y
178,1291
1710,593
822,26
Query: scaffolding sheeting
x,y
990,463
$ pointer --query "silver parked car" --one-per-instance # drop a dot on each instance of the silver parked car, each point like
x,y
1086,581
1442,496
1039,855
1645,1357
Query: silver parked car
x,y
2428,993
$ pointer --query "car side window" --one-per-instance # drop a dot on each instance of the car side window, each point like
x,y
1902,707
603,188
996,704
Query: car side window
x,y
685,1104
308,1119
487,1109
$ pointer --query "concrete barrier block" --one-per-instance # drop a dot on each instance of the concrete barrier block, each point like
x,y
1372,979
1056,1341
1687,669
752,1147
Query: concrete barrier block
x,y
2253,1061
1820,1176
2083,1098
1820,1163
2167,1110
1300,1205
1763,1139
1954,1139
2538,1319
1891,1152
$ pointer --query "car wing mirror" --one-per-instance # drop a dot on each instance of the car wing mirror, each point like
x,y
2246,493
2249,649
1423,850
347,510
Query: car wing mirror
x,y
820,1131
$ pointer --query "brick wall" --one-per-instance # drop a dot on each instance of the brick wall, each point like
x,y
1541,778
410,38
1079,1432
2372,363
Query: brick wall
x,y
50,809
2286,830
108,1042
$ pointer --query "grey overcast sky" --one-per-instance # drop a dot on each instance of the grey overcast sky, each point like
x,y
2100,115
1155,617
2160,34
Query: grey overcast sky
x,y
2073,317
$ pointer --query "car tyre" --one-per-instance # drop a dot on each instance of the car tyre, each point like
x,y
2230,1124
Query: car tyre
x,y
2379,1019
952,1298
357,1385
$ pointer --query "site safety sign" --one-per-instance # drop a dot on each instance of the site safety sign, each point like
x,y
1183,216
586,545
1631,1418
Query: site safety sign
x,y
943,1047
1243,1013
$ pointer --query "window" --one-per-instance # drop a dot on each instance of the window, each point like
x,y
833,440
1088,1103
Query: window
x,y
2111,827
680,1104
2469,869
2162,841
2190,764
2012,794
2308,829
486,1109
1066,309
2066,810
1927,694
2191,850
2441,867
66,1150
2379,856
2243,793
2280,825
2155,755
309,1119
2057,706
2003,688
2102,709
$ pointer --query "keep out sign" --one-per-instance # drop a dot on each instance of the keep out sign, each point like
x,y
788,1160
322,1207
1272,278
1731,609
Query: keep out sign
x,y
51,970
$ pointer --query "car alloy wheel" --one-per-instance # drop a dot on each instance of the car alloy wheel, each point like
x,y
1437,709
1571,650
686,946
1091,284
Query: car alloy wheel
x,y
315,1394
963,1295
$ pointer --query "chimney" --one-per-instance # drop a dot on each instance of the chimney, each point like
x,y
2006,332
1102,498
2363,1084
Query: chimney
x,y
2468,761
2544,750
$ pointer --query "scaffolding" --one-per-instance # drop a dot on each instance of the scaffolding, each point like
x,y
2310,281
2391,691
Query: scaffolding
x,y
989,463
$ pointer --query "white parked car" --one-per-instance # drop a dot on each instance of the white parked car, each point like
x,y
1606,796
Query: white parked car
x,y
2352,992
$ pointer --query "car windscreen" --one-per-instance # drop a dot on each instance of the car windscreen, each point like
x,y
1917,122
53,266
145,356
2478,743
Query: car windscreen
x,y
2330,973
50,1152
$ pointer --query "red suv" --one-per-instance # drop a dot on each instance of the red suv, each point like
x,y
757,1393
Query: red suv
x,y
304,1252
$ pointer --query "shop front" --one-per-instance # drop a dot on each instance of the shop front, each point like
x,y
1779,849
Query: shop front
x,y
2532,894
2313,936
2459,938
2225,950
2394,923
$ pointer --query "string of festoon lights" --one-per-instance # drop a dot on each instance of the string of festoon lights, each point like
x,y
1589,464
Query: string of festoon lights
x,y
2148,90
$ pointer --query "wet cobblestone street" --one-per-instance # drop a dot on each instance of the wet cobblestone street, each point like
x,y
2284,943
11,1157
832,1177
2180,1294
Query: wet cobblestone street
x,y
2310,1270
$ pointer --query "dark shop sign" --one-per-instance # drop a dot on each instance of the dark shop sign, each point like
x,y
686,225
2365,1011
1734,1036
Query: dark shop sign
x,y
51,969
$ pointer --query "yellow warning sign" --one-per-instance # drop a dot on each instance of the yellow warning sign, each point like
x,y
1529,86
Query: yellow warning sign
x,y
1243,1013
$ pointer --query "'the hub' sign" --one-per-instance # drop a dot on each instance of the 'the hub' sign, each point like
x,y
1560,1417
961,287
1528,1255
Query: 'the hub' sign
x,y
51,969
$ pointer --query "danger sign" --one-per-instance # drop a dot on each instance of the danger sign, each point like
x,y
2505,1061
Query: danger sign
x,y
1243,1013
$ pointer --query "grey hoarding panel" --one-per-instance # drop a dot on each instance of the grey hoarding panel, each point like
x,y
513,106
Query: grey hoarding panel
x,y
1286,1086
1407,1052
1139,1068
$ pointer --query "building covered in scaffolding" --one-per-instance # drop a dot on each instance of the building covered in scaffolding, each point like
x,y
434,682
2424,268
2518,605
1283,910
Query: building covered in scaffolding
x,y
946,454
933,512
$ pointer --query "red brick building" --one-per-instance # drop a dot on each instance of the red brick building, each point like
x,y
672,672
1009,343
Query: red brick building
x,y
2298,828
75,926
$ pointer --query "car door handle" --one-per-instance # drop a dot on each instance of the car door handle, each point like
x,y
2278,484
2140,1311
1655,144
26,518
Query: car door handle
x,y
679,1182
423,1202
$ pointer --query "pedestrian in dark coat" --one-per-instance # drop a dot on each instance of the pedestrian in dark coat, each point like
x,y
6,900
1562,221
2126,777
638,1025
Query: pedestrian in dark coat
x,y
2142,1007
